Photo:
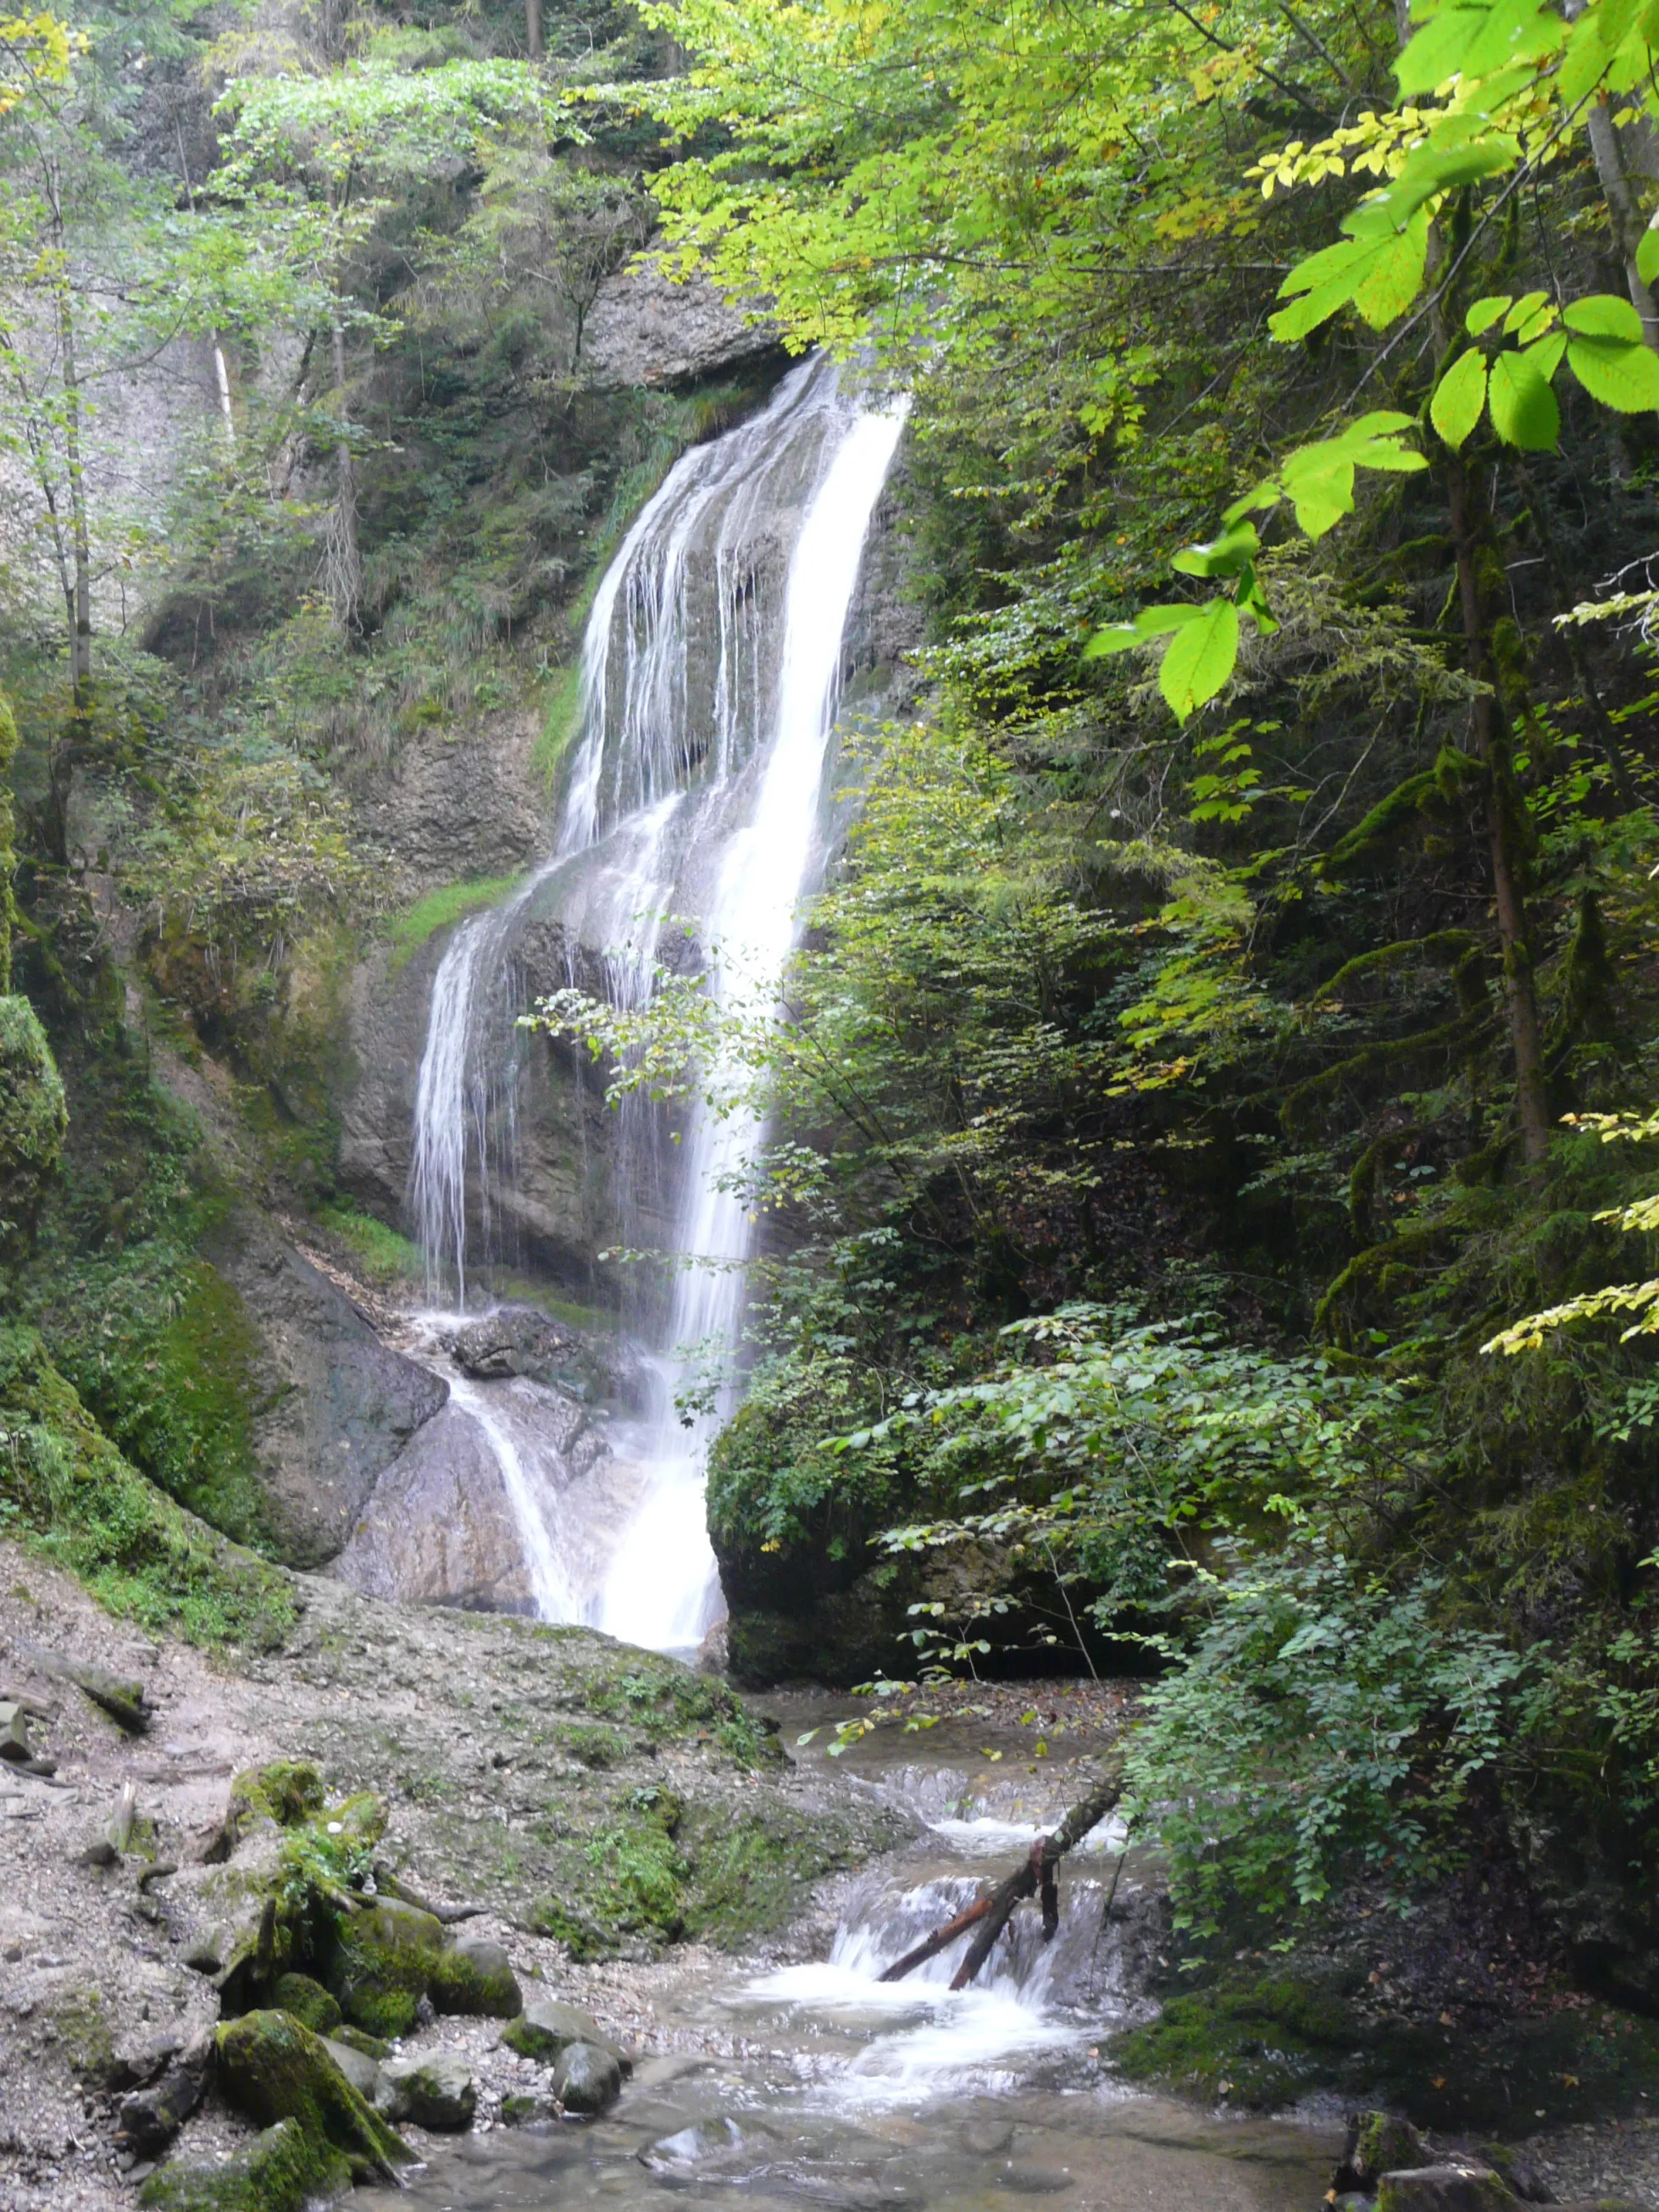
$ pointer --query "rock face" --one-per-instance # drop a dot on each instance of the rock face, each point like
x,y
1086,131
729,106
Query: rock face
x,y
644,328
338,1406
440,1529
523,1340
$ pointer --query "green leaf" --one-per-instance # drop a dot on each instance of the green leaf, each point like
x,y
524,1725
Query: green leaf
x,y
1603,315
1546,356
1515,31
1523,409
1116,637
1395,276
1484,312
1459,397
1222,556
1200,659
1620,375
1437,51
1647,256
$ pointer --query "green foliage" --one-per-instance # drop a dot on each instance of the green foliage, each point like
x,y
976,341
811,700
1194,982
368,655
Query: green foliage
x,y
66,1493
384,1255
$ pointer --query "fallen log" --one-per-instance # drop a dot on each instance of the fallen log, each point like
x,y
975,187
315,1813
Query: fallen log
x,y
1033,1877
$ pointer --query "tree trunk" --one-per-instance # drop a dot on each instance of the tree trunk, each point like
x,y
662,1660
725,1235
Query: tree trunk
x,y
1628,229
1034,1876
532,28
79,596
343,559
1505,841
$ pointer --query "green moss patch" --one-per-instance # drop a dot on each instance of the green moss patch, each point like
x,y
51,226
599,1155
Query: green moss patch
x,y
440,908
283,2170
66,1493
379,1252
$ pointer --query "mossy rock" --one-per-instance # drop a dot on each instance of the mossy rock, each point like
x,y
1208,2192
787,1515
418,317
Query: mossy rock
x,y
273,2069
287,1792
384,1961
476,1977
360,2041
283,2170
34,1120
548,2028
308,2003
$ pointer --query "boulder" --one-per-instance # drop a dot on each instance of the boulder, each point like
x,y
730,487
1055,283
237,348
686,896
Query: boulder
x,y
587,2078
149,2118
362,2072
547,2028
272,2069
383,1962
522,2111
1454,2187
358,2039
435,2090
475,1976
1377,2143
283,2170
307,2001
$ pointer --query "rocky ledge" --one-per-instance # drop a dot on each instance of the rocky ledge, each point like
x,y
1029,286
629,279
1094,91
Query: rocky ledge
x,y
230,1935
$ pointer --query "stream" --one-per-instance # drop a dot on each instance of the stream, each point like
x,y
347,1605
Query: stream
x,y
796,2081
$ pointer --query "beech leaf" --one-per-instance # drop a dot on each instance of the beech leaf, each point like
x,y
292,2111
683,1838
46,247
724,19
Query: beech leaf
x,y
1459,397
1200,659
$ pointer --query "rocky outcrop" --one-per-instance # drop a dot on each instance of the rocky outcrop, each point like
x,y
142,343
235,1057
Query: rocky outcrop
x,y
336,1406
644,328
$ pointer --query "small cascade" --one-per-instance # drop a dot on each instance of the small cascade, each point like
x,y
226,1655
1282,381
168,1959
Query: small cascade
x,y
711,679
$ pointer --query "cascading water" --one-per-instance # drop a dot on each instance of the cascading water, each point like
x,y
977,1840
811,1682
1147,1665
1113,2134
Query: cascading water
x,y
710,674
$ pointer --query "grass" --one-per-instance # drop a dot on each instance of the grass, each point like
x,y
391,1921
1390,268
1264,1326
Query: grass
x,y
559,724
384,1255
439,908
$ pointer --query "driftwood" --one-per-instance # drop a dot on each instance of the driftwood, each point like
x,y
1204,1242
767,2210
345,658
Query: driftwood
x,y
1033,1877
393,1886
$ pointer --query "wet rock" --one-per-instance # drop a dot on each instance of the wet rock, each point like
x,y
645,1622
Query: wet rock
x,y
383,1962
1516,2168
475,1976
1377,2143
521,2111
308,2001
1023,2180
985,2138
1450,2188
272,2069
547,2028
586,2078
712,2150
336,1406
283,2170
523,1340
440,1529
149,2118
435,2090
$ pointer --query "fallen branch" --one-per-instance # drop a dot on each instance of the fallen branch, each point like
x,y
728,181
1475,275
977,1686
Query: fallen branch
x,y
1033,1877
448,1914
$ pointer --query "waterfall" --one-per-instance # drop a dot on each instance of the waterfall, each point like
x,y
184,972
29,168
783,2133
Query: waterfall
x,y
710,685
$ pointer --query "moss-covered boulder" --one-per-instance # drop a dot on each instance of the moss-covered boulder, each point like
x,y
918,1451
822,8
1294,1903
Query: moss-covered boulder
x,y
272,2069
307,2001
285,1793
434,2090
476,1977
283,2170
1378,2143
385,1956
33,1121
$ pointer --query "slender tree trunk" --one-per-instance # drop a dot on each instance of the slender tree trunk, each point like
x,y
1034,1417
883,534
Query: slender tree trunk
x,y
79,609
1628,229
1505,843
532,28
344,558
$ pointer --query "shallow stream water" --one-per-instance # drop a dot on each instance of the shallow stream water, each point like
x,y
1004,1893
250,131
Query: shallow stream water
x,y
811,2083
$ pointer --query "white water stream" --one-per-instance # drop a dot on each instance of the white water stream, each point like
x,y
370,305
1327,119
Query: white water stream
x,y
711,681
